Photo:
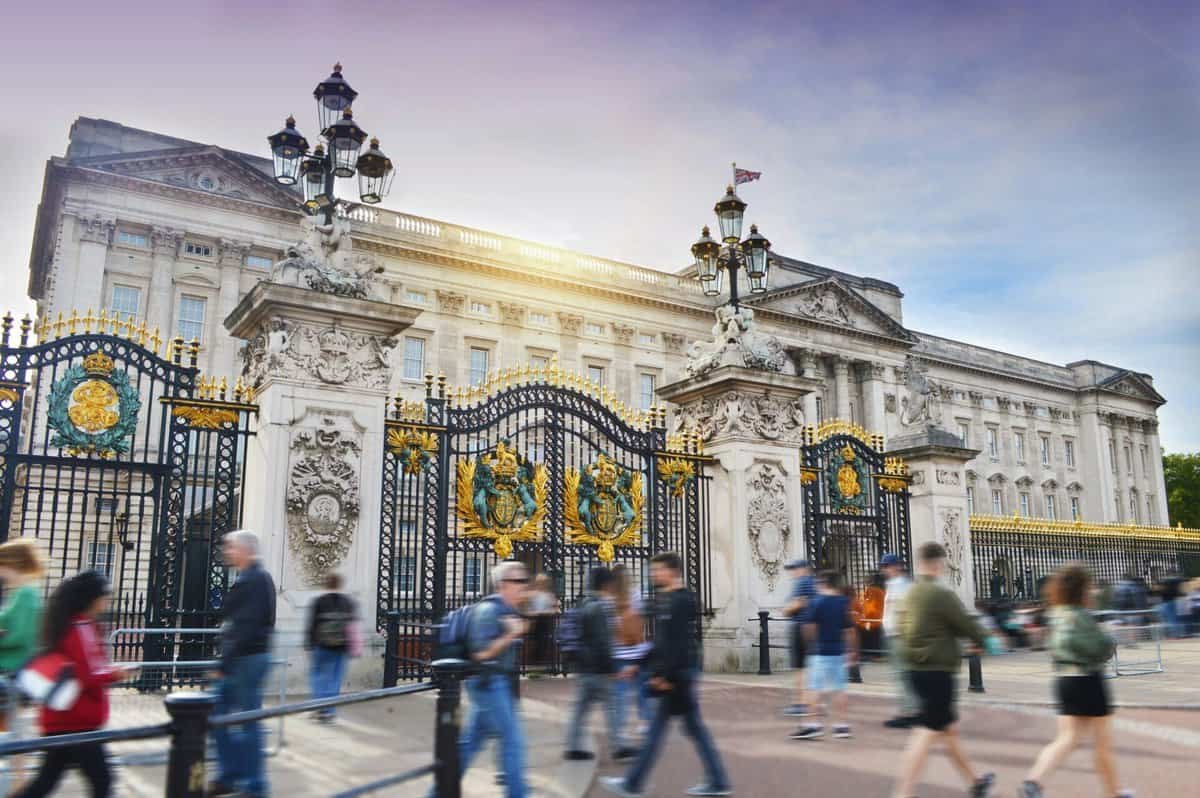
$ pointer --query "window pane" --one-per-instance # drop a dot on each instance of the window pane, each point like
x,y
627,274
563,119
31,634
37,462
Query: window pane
x,y
1051,508
414,358
126,300
479,365
596,374
1025,504
406,574
259,262
997,503
1045,451
471,573
191,318
647,391
970,501
1074,508
1019,441
100,557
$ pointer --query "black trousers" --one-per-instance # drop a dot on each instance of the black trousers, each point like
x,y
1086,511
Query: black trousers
x,y
91,758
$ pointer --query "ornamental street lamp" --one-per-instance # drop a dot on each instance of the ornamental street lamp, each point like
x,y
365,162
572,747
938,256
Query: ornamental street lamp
x,y
714,260
337,156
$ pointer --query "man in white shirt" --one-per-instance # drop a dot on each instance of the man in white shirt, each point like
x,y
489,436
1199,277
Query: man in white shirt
x,y
898,583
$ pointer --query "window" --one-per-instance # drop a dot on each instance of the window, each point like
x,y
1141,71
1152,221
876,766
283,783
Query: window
x,y
592,328
596,374
1045,450
1069,453
539,361
1075,514
131,239
190,324
1019,446
126,301
479,365
646,391
472,575
1051,507
1128,458
647,339
970,500
1112,455
993,443
820,410
481,308
100,557
1024,499
419,297
1133,509
964,432
414,358
1142,454
259,262
539,318
997,502
199,250
405,569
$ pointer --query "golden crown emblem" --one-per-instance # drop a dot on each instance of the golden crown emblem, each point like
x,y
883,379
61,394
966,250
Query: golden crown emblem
x,y
504,464
606,472
98,364
848,452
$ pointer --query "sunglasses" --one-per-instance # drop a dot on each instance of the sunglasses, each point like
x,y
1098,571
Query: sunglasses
x,y
521,581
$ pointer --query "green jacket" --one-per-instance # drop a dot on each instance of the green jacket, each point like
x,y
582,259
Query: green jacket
x,y
19,627
1077,641
934,620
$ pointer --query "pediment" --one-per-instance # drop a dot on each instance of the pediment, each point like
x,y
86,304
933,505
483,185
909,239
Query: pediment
x,y
830,301
204,169
1129,383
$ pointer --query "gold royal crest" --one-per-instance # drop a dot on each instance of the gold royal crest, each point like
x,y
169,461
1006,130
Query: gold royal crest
x,y
602,506
501,496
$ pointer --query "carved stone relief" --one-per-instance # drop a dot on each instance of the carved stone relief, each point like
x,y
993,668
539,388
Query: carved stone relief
x,y
947,477
623,333
165,241
768,521
292,350
740,413
737,342
322,494
512,313
827,305
95,229
952,538
323,260
922,407
889,402
570,323
674,342
918,478
451,301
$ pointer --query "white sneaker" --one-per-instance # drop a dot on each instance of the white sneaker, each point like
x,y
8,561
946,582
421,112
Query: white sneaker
x,y
705,789
616,785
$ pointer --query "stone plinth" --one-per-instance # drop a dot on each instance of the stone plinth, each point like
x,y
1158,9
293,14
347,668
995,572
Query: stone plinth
x,y
752,424
321,364
938,507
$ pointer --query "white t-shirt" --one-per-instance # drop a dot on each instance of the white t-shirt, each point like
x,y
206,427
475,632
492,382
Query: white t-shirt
x,y
897,588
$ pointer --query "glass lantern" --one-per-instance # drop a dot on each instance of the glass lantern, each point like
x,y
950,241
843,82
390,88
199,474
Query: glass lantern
x,y
287,148
333,95
730,210
375,173
345,140
707,254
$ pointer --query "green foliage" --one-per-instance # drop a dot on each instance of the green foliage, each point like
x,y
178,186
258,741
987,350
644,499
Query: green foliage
x,y
1182,474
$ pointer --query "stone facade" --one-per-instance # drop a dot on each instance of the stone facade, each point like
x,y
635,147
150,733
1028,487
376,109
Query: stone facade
x,y
180,232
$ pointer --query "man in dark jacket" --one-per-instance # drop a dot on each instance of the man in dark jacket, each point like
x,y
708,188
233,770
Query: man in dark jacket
x,y
249,621
675,665
328,641
595,664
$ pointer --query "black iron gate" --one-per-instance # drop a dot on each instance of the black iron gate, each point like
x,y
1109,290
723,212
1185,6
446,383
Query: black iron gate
x,y
855,501
537,465
117,459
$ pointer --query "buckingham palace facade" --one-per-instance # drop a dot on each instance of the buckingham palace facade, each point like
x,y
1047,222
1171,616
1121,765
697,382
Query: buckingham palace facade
x,y
177,232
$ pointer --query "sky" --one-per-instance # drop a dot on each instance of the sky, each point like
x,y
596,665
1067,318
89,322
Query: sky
x,y
1027,173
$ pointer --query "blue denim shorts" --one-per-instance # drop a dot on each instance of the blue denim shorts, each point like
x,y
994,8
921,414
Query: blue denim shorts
x,y
827,674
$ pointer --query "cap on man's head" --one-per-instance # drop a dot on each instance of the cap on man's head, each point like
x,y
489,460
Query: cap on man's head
x,y
793,565
890,559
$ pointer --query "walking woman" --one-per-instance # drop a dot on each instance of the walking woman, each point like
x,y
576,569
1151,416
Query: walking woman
x,y
1079,648
20,569
70,629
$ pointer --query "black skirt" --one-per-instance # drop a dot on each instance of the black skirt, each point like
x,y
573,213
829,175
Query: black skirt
x,y
1083,696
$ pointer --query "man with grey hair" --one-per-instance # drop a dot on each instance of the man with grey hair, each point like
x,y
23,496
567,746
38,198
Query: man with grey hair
x,y
248,614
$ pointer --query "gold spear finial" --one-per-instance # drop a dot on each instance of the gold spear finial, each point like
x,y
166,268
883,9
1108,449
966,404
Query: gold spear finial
x,y
73,323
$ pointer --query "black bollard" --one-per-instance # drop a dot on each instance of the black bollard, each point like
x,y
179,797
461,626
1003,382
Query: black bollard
x,y
447,777
975,672
391,651
189,734
764,644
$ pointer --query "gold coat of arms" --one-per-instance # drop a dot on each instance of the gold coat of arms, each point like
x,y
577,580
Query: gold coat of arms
x,y
602,506
501,496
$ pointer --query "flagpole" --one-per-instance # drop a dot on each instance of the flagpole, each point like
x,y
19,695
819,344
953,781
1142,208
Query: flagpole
x,y
734,183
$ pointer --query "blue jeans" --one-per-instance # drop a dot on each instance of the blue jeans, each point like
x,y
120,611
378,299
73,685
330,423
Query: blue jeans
x,y
635,689
693,726
593,688
1170,618
241,762
326,668
493,713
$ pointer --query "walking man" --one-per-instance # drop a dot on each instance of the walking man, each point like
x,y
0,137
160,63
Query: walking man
x,y
934,620
249,621
595,664
328,640
675,668
803,590
830,635
494,628
896,589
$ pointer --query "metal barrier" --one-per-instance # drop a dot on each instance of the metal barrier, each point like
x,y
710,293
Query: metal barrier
x,y
192,720
854,672
1135,631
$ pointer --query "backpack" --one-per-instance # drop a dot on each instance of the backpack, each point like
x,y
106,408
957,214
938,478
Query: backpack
x,y
332,629
453,641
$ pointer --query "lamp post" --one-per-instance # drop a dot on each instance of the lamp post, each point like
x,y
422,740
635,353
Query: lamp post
x,y
338,155
715,259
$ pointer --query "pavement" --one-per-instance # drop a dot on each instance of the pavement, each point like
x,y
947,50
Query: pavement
x,y
1157,730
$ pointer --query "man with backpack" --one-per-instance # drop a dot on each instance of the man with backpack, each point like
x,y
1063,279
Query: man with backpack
x,y
487,633
330,623
595,664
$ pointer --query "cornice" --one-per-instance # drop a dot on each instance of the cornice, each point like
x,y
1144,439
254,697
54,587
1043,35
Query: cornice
x,y
992,374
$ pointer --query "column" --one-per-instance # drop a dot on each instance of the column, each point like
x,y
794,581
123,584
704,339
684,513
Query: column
x,y
511,346
160,303
624,380
841,380
812,370
452,355
223,351
570,325
872,393
86,290
1158,481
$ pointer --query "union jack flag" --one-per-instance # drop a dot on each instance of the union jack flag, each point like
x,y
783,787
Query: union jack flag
x,y
744,176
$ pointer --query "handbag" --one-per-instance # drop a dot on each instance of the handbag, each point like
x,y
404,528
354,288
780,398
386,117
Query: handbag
x,y
49,679
354,638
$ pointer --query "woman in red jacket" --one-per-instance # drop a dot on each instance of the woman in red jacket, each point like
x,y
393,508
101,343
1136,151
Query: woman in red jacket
x,y
70,629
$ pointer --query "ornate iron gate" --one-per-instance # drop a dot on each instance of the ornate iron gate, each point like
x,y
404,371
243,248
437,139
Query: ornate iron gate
x,y
855,501
118,459
538,465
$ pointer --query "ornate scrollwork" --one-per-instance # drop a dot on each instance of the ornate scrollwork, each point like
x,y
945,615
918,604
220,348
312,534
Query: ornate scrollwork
x,y
952,539
93,409
602,506
205,417
847,481
9,395
501,496
895,476
769,523
322,496
414,447
677,473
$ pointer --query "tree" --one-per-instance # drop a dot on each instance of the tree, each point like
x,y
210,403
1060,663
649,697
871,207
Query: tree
x,y
1182,475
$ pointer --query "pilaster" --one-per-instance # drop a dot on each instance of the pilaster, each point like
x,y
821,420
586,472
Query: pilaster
x,y
160,307
841,383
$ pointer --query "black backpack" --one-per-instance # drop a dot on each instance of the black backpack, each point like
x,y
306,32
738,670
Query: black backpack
x,y
453,641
